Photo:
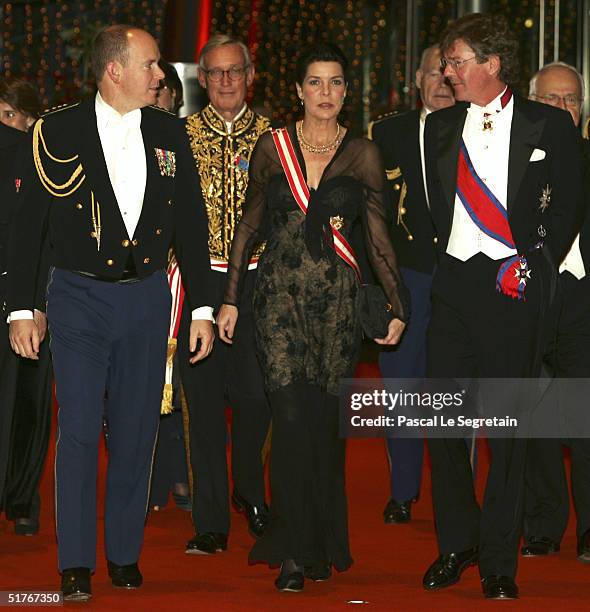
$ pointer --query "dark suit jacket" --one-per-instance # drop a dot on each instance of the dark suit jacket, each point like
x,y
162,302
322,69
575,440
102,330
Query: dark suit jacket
x,y
534,126
585,231
57,203
412,230
10,140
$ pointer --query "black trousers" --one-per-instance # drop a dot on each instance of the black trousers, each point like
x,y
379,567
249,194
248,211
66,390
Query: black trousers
x,y
25,423
230,374
477,332
547,496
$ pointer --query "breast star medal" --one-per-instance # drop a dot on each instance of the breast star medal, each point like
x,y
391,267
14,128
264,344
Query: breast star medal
x,y
522,273
545,199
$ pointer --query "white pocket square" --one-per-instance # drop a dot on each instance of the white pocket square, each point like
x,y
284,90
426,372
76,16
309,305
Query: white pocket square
x,y
537,155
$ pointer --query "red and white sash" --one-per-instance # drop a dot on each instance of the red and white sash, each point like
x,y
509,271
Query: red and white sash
x,y
300,192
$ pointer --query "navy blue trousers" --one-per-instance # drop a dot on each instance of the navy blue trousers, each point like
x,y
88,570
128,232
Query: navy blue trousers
x,y
108,340
408,360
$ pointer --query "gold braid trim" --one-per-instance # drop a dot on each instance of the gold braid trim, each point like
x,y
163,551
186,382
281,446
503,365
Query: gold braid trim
x,y
401,212
54,188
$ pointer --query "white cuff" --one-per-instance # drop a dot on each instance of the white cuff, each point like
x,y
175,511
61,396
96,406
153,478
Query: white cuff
x,y
204,313
20,315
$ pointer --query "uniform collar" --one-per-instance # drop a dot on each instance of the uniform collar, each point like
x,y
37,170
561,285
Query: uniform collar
x,y
215,121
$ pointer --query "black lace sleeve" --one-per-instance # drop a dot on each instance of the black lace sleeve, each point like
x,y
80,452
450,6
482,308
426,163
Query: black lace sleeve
x,y
247,234
377,238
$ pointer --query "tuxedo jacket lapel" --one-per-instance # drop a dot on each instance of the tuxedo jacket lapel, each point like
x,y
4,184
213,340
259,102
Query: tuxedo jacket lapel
x,y
449,141
155,182
525,134
93,160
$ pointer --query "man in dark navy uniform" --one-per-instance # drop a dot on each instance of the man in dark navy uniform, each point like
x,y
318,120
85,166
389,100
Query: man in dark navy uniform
x,y
110,182
401,140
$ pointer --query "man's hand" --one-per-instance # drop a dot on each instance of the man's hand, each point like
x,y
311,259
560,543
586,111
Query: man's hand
x,y
41,321
24,338
202,330
226,322
394,332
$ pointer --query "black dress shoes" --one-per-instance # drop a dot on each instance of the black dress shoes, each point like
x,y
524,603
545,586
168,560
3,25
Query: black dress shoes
x,y
290,581
539,546
207,543
499,587
395,513
125,576
584,547
257,515
318,573
75,584
447,569
26,526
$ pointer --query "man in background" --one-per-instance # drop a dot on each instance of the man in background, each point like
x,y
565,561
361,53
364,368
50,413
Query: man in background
x,y
547,497
401,140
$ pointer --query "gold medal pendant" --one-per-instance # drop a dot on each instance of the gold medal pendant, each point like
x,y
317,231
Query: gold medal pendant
x,y
487,123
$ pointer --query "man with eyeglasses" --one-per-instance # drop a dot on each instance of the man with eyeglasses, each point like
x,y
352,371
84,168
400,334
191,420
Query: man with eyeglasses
x,y
503,176
400,137
547,496
222,137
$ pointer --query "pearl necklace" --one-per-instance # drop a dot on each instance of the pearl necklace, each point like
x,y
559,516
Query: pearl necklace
x,y
318,148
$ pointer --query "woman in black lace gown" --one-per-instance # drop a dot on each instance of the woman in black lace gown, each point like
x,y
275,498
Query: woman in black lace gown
x,y
305,304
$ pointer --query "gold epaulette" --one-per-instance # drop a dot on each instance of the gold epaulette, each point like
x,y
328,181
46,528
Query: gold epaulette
x,y
378,119
58,108
162,109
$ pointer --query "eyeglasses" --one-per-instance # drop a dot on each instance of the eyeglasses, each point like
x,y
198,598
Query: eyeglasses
x,y
454,63
235,73
570,100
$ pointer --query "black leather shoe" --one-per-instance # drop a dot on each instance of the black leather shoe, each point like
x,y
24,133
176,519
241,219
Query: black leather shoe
x,y
75,584
395,513
584,547
447,569
292,582
539,546
26,527
257,515
499,587
207,543
318,573
125,576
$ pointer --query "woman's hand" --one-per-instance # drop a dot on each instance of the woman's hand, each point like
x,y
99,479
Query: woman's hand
x,y
226,322
394,332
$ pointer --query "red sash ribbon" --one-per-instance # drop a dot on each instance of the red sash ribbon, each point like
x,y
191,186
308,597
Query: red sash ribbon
x,y
300,192
491,218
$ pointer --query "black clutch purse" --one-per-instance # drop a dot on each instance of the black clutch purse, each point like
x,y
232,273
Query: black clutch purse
x,y
375,312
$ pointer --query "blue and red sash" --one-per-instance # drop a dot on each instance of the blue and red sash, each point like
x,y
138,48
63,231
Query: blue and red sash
x,y
491,218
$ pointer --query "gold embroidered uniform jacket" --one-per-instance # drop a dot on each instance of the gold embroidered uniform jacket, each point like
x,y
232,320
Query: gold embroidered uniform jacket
x,y
222,161
67,197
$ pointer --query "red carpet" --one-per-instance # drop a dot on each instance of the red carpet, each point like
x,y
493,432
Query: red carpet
x,y
386,575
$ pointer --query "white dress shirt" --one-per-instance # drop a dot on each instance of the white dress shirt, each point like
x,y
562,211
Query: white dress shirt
x,y
573,262
124,153
488,150
423,114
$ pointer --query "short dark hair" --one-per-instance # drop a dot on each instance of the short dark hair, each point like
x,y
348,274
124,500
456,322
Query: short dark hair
x,y
109,44
172,81
21,95
319,52
487,34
